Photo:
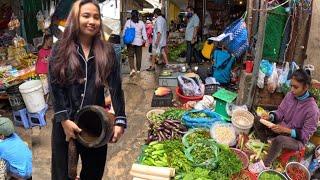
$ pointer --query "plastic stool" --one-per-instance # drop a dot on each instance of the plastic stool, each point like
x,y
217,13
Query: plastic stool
x,y
38,119
20,118
286,155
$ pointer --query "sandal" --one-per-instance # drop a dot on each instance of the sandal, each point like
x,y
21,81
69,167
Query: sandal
x,y
257,167
151,68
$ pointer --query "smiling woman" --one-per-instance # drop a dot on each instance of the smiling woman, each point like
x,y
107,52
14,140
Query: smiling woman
x,y
82,63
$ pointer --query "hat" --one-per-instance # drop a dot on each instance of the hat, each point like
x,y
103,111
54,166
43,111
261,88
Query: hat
x,y
6,126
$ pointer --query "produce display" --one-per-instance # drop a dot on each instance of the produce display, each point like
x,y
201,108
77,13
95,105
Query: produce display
x,y
296,173
194,136
223,133
165,126
176,51
155,155
174,151
270,175
162,91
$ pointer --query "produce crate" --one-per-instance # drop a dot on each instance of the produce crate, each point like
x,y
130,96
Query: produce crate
x,y
162,101
169,81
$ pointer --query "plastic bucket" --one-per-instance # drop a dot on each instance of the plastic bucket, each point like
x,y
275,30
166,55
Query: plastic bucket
x,y
15,97
249,66
32,94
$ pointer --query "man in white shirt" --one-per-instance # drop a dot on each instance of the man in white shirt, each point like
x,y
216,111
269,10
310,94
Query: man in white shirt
x,y
191,32
159,41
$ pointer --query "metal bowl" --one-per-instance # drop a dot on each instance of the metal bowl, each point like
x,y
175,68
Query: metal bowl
x,y
274,172
300,166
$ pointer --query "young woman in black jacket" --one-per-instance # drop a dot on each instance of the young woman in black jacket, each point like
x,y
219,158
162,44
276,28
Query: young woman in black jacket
x,y
82,63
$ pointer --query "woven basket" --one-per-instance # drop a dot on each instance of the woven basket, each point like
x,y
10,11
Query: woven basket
x,y
154,111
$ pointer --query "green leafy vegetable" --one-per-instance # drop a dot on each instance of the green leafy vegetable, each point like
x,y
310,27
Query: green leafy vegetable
x,y
174,113
270,176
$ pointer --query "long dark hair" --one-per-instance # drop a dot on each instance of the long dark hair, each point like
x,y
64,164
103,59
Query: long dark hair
x,y
46,37
135,16
67,69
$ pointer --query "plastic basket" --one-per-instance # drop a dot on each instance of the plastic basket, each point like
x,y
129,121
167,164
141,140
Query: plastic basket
x,y
210,89
242,120
242,156
214,135
184,99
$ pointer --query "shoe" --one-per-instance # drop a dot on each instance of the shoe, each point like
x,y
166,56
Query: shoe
x,y
151,68
132,72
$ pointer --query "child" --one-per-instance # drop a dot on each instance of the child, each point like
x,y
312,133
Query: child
x,y
14,152
44,53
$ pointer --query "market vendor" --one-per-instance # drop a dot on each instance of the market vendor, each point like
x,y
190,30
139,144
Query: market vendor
x,y
295,121
13,152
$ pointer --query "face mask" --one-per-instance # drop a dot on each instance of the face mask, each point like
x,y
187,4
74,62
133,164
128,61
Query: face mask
x,y
189,15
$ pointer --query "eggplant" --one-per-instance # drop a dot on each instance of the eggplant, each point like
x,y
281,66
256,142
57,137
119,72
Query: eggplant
x,y
167,131
162,135
168,125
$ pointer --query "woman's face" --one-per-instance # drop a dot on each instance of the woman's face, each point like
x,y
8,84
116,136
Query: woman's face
x,y
297,88
89,20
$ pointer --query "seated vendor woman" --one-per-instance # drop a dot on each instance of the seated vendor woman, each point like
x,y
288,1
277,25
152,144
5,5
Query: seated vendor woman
x,y
295,121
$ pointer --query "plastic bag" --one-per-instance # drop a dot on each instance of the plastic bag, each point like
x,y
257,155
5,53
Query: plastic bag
x,y
283,75
260,82
190,86
266,67
273,80
207,102
200,122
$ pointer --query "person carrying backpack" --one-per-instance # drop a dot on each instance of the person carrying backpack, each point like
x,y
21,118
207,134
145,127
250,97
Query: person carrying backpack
x,y
140,37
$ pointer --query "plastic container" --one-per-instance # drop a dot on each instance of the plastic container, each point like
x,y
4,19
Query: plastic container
x,y
15,97
221,138
184,99
242,156
32,94
242,120
273,172
300,166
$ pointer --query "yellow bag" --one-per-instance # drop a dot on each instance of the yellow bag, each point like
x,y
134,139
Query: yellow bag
x,y
207,49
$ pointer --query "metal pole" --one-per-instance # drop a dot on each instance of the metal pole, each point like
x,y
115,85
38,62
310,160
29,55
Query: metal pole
x,y
249,19
258,52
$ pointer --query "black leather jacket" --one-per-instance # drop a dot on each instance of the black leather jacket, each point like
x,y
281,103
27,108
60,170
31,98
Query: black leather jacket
x,y
68,99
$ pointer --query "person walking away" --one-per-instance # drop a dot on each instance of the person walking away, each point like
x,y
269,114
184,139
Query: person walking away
x,y
159,41
14,152
149,29
295,121
81,65
43,55
135,48
191,33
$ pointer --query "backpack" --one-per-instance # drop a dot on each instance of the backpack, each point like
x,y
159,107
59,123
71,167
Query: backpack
x,y
129,34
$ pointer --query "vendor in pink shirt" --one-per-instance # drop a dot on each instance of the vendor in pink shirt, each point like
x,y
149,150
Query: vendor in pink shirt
x,y
43,55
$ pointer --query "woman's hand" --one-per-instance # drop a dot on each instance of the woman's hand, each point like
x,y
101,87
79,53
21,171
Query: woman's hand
x,y
70,129
117,133
265,116
280,129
